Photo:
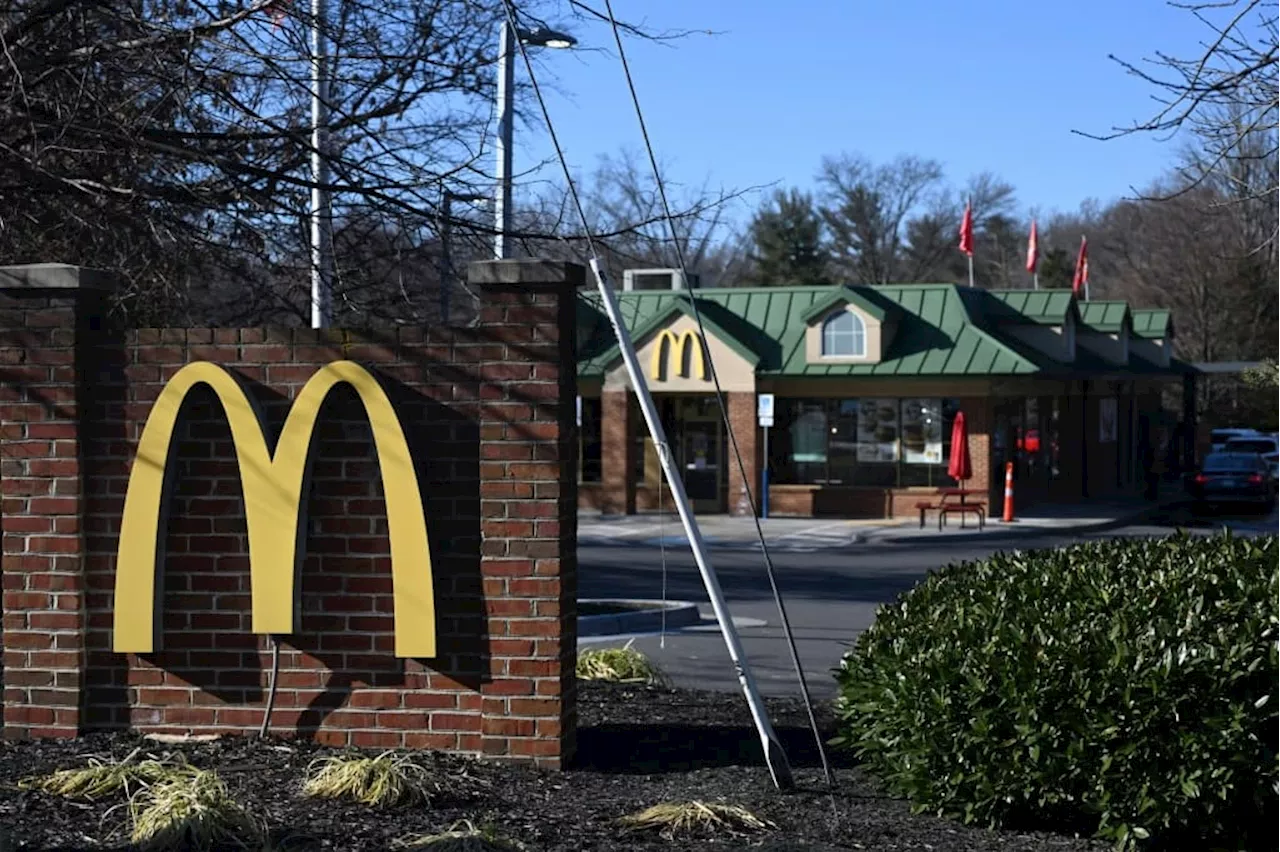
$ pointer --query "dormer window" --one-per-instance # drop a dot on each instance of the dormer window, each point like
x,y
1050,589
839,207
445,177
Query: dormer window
x,y
844,335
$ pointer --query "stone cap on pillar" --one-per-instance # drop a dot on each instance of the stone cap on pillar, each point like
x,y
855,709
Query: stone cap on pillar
x,y
53,276
528,274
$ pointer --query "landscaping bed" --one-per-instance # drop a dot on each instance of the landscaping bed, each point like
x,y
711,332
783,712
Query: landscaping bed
x,y
638,746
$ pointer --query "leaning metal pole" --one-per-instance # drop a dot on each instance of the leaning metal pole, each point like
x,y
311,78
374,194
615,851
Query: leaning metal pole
x,y
774,756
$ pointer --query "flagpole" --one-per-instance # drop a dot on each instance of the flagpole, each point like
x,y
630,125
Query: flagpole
x,y
1035,280
321,223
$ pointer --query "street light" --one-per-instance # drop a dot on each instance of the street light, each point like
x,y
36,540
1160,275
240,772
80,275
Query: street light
x,y
540,37
446,261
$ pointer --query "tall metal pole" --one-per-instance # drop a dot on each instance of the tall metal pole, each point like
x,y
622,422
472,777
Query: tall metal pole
x,y
446,260
321,223
506,108
773,753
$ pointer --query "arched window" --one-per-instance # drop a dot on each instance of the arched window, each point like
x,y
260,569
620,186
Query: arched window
x,y
843,333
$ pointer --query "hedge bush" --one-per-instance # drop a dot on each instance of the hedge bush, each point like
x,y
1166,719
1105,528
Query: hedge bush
x,y
1123,688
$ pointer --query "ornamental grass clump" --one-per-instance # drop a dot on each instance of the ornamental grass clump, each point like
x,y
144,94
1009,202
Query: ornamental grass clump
x,y
672,819
384,781
1124,688
191,811
618,665
463,836
103,778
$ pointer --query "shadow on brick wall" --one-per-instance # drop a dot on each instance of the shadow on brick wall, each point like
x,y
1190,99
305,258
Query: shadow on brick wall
x,y
347,628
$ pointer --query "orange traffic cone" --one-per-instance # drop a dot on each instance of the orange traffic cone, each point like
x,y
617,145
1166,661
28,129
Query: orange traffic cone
x,y
1008,492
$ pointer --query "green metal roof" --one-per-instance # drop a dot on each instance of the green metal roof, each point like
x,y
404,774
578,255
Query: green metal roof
x,y
1041,307
842,295
1104,316
1151,322
942,329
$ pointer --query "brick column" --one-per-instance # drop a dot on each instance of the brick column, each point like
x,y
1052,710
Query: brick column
x,y
979,418
50,317
742,417
617,453
529,508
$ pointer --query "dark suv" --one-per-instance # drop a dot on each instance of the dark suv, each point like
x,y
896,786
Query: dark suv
x,y
1233,478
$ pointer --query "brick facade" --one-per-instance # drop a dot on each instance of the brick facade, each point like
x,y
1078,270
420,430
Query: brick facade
x,y
488,411
742,420
617,430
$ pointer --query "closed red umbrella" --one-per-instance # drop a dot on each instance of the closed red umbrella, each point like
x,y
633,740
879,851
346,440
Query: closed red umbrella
x,y
959,468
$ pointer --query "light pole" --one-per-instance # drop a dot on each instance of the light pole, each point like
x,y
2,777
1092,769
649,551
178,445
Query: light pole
x,y
446,261
321,223
541,37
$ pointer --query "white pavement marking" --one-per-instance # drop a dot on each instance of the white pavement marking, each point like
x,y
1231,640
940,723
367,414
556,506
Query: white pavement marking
x,y
811,531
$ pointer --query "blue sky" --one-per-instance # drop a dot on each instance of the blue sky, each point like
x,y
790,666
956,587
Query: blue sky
x,y
979,86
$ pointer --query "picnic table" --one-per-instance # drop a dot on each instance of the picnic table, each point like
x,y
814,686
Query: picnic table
x,y
952,501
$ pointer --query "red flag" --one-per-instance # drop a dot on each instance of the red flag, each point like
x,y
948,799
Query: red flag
x,y
966,230
1080,281
1033,249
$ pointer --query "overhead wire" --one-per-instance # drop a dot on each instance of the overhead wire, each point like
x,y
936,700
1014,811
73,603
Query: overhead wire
x,y
720,398
595,257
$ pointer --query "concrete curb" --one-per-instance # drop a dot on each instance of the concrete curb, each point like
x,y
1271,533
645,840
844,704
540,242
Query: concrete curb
x,y
999,531
678,614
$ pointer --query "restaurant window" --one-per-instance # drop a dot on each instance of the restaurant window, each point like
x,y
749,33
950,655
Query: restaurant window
x,y
589,467
844,334
862,442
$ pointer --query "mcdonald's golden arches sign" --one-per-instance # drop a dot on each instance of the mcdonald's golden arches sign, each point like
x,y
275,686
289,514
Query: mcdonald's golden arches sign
x,y
686,348
272,483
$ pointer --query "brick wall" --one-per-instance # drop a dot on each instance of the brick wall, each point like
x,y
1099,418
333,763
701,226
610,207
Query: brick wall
x,y
742,420
617,426
488,413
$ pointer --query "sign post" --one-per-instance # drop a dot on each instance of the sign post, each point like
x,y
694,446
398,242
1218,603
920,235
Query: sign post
x,y
764,413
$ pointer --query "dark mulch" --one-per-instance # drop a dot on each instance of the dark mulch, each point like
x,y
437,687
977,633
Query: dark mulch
x,y
637,747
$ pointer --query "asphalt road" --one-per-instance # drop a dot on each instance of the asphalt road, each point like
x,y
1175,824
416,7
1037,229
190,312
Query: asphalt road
x,y
830,596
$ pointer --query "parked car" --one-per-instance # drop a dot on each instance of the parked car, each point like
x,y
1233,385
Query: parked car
x,y
1267,446
1218,437
1233,478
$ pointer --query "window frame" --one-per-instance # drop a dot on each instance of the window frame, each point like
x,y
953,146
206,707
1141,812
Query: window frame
x,y
858,334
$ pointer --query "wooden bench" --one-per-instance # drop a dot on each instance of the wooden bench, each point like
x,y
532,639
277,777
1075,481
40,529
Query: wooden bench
x,y
962,509
925,506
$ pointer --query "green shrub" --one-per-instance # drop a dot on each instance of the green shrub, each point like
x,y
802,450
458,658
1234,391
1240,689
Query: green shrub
x,y
1126,688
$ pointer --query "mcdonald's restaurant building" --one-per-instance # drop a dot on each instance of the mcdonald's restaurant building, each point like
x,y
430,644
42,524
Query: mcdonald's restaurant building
x,y
865,383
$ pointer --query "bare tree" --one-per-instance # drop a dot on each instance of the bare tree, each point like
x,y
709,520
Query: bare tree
x,y
169,141
625,214
866,209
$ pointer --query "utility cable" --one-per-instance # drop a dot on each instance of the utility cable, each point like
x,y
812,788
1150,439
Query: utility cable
x,y
724,409
781,776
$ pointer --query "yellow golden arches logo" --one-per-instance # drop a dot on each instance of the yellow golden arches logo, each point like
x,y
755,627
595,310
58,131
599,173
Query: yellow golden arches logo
x,y
272,485
677,347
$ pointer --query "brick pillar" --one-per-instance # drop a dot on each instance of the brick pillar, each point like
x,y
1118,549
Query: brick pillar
x,y
979,418
617,453
742,417
529,504
50,317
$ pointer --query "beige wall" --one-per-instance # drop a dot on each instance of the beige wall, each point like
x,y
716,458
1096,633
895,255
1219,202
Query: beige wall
x,y
1112,347
734,371
1156,351
1048,339
877,336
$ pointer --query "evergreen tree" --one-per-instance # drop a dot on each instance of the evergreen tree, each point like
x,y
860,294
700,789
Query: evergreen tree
x,y
787,242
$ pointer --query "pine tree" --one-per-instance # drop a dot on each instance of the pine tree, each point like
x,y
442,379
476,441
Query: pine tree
x,y
787,242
